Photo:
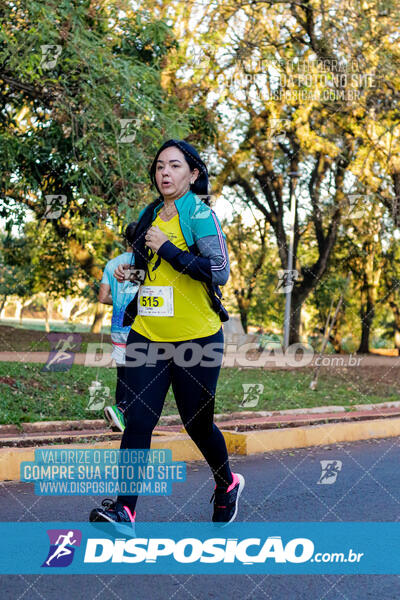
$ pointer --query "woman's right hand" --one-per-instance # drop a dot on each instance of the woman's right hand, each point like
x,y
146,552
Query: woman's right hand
x,y
119,272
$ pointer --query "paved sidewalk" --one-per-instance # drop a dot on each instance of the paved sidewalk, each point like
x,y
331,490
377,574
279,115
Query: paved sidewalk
x,y
231,359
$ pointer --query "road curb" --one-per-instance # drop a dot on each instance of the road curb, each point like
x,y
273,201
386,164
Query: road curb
x,y
318,435
75,425
241,443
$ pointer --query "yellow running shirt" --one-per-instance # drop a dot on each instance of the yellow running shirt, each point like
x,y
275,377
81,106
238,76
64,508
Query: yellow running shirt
x,y
193,316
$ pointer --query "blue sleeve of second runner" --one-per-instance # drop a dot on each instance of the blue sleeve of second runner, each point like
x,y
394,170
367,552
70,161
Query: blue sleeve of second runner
x,y
106,275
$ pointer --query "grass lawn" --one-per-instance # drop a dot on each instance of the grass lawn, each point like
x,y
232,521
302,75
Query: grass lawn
x,y
27,394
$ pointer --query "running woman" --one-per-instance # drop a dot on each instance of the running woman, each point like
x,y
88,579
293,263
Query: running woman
x,y
180,245
119,295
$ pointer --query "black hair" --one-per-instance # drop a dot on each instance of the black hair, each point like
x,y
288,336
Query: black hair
x,y
129,232
192,157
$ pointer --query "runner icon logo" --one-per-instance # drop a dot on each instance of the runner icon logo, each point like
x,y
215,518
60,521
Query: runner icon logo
x,y
99,394
330,470
287,279
251,394
62,547
62,353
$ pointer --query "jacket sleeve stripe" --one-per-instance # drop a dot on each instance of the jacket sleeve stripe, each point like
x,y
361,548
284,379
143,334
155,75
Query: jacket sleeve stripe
x,y
222,246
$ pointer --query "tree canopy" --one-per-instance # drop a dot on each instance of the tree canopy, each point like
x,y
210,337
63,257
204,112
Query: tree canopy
x,y
286,100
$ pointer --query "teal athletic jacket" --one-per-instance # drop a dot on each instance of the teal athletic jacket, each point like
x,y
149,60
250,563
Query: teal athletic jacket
x,y
207,257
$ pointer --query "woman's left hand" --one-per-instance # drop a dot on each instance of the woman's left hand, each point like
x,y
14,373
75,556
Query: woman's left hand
x,y
155,238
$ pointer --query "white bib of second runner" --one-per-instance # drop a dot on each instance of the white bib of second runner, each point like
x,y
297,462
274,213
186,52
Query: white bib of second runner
x,y
156,301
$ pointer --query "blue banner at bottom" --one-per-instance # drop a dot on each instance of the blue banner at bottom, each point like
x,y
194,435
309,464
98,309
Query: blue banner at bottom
x,y
200,548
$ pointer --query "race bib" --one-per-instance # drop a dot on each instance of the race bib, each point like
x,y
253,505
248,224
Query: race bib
x,y
156,301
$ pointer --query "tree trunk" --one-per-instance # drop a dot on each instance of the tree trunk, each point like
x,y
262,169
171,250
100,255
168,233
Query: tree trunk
x,y
24,304
336,338
298,298
18,309
396,325
367,313
370,281
295,319
243,306
397,340
243,319
98,318
48,314
3,306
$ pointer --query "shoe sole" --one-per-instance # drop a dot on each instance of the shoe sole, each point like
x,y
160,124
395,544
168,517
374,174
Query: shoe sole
x,y
112,419
120,527
241,486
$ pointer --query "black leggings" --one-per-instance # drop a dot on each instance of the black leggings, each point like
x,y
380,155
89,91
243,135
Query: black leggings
x,y
194,389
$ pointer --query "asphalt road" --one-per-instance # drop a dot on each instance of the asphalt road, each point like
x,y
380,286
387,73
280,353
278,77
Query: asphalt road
x,y
280,486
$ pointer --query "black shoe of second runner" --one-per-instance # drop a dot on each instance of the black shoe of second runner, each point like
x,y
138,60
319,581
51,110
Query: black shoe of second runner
x,y
226,503
116,513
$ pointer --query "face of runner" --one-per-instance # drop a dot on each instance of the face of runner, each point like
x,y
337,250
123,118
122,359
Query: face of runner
x,y
173,174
